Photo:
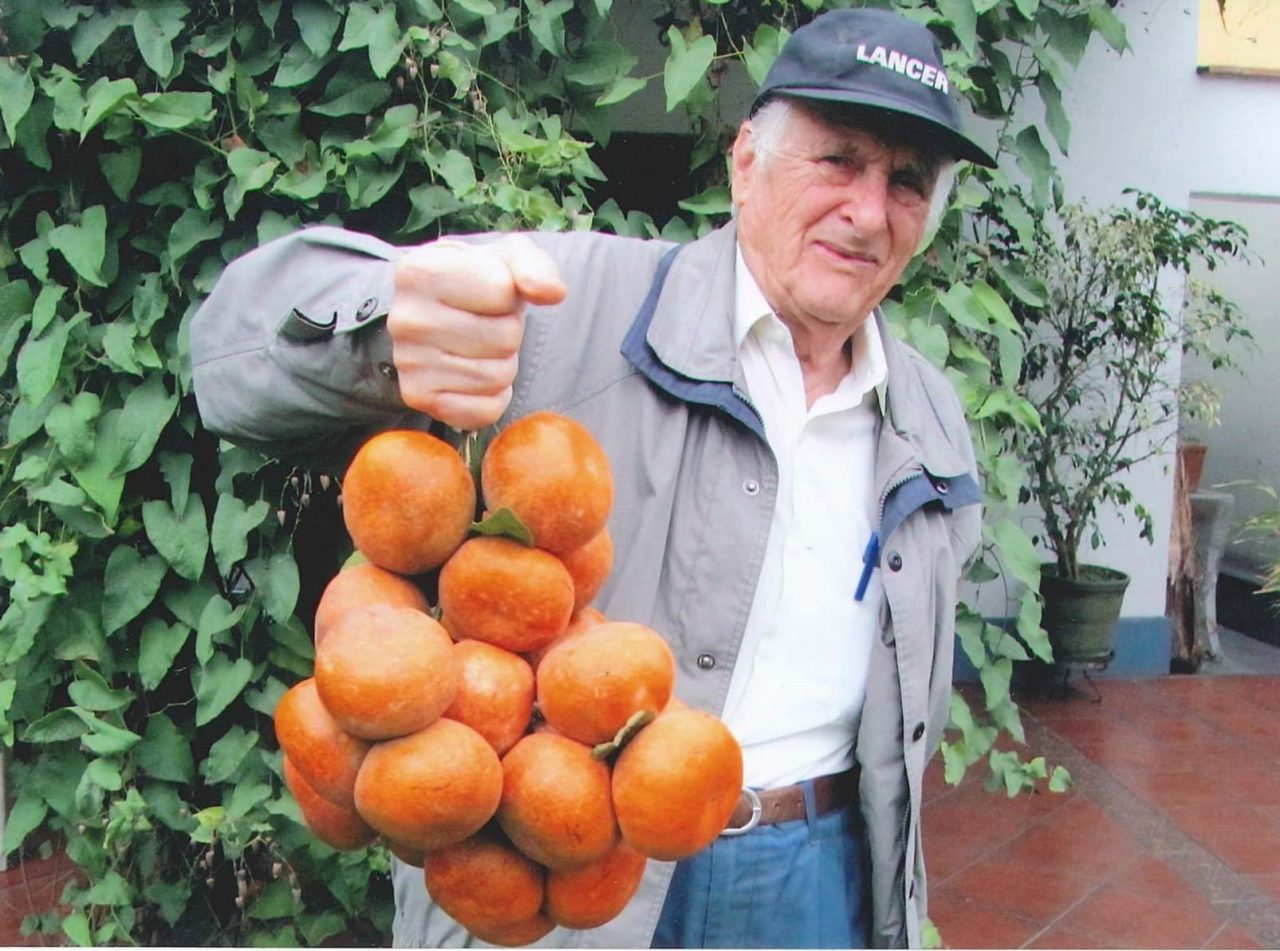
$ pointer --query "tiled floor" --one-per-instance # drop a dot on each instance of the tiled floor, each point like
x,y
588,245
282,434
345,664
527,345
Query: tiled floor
x,y
1170,837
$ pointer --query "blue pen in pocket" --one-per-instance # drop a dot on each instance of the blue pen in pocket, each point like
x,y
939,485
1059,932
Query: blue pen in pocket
x,y
870,559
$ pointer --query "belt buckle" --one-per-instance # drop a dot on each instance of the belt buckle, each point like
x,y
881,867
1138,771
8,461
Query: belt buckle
x,y
756,810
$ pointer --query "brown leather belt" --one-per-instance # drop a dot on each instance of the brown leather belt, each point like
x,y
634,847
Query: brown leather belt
x,y
787,803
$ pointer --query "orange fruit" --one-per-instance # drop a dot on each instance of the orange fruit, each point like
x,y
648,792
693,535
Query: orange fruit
x,y
408,500
431,788
592,894
484,883
326,755
385,671
589,566
675,785
495,693
551,472
590,684
518,935
555,805
580,621
338,826
499,591
361,585
408,854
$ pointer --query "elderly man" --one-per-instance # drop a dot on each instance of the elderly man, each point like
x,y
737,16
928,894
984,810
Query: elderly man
x,y
795,488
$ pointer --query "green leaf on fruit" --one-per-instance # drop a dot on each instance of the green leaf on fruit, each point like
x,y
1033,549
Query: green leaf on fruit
x,y
637,722
504,523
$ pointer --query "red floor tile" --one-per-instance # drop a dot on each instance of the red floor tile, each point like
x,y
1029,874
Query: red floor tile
x,y
1061,936
966,924
1128,920
1233,936
1038,892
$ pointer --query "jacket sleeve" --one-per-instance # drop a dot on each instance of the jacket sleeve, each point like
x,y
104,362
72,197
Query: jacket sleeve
x,y
290,353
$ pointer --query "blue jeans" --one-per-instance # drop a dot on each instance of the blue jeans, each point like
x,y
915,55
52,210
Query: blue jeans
x,y
800,884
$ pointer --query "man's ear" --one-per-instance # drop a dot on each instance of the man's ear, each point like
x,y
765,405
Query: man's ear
x,y
744,158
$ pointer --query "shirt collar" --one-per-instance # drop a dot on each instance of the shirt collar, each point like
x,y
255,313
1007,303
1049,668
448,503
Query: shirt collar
x,y
751,307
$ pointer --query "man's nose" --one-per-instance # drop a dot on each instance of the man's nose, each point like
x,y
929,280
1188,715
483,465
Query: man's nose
x,y
866,204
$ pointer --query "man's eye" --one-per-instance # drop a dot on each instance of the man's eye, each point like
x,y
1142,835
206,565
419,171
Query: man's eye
x,y
911,182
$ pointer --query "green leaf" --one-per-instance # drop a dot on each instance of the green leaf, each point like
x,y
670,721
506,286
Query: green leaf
x,y
1059,780
1026,287
277,583
1110,26
317,25
103,738
458,172
25,817
111,890
17,91
218,615
39,362
218,683
84,244
759,54
165,752
376,29
546,24
995,306
298,66
428,203
72,426
105,774
76,927
995,681
233,522
94,695
158,645
154,29
104,97
147,410
246,796
504,523
227,753
965,308
129,585
121,170
182,540
1055,117
624,87
713,201
55,727
962,18
1017,555
685,66
1033,158
174,110
274,901
361,100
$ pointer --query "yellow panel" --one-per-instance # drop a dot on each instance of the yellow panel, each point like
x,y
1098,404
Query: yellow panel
x,y
1240,36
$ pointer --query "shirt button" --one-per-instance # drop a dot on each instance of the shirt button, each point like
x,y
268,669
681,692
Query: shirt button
x,y
895,561
917,732
941,487
706,661
751,487
388,371
365,310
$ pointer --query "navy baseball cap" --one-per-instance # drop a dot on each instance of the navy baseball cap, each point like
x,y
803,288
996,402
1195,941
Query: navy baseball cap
x,y
878,60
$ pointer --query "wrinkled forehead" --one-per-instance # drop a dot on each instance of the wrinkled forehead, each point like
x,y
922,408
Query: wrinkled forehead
x,y
891,131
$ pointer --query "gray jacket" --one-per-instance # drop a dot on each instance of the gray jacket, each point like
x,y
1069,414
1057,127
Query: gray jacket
x,y
281,361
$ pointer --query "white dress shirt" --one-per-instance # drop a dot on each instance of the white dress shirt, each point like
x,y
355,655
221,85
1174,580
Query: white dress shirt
x,y
800,679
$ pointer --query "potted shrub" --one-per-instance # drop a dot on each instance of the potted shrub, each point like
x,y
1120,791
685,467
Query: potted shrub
x,y
1099,371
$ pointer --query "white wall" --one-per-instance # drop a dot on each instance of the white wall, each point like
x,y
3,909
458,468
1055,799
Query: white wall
x,y
1147,120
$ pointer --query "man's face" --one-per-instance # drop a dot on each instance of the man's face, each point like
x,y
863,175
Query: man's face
x,y
829,218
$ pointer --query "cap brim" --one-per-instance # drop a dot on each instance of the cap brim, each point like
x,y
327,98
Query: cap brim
x,y
949,140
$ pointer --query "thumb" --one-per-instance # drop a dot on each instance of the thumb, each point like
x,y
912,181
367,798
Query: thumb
x,y
534,273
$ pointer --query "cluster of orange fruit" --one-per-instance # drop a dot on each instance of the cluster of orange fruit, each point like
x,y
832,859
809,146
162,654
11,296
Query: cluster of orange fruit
x,y
522,748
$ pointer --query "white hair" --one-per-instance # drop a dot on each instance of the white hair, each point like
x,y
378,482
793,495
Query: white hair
x,y
770,121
